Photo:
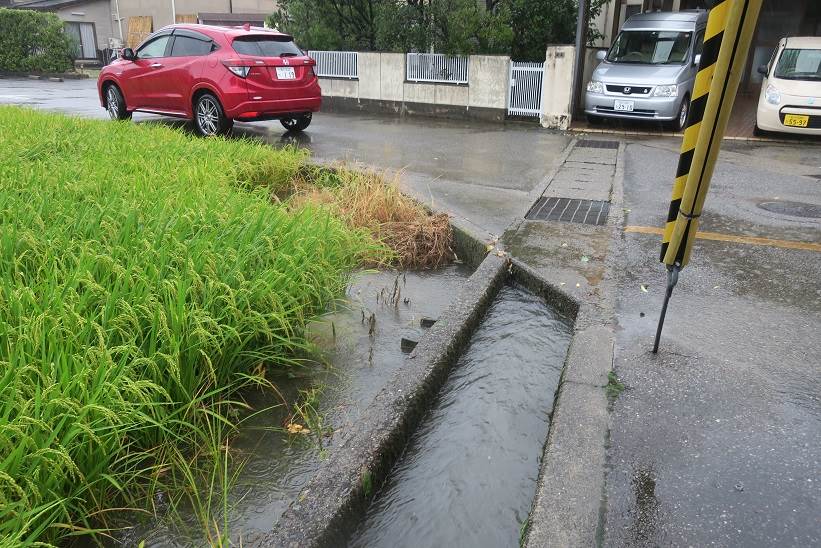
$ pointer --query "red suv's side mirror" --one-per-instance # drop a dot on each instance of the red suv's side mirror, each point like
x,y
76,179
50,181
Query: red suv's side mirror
x,y
128,54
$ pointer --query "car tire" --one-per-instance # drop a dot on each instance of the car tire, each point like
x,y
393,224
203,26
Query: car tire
x,y
296,123
594,120
758,132
209,118
115,103
680,123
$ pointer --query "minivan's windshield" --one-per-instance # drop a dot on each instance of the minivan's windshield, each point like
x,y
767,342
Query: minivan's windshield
x,y
799,64
650,47
266,46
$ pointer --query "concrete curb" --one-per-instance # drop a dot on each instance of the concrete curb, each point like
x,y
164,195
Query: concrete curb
x,y
53,77
329,506
567,508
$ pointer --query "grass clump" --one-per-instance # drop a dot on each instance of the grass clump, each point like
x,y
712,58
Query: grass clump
x,y
614,386
141,283
368,200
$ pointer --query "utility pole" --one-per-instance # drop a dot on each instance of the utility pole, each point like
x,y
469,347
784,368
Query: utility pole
x,y
173,12
578,62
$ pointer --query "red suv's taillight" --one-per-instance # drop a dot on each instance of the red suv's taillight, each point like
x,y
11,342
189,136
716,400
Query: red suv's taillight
x,y
241,67
242,72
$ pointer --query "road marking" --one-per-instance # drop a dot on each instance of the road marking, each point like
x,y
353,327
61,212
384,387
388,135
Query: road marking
x,y
717,236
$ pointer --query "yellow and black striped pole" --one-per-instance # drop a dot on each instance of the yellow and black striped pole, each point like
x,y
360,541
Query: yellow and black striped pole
x,y
730,28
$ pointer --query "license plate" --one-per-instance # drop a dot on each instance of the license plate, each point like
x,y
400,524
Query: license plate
x,y
623,106
286,73
796,120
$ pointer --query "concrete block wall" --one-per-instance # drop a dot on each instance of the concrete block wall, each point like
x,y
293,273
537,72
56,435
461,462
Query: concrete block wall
x,y
557,87
382,87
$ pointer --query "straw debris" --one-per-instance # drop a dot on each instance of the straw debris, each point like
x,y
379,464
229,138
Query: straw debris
x,y
371,200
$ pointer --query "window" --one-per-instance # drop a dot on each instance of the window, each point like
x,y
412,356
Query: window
x,y
799,64
83,35
266,46
699,45
154,48
185,46
650,47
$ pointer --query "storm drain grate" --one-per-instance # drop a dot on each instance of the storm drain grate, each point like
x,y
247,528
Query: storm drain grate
x,y
569,210
591,143
793,209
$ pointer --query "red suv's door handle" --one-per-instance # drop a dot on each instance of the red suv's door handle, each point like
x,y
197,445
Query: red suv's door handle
x,y
156,65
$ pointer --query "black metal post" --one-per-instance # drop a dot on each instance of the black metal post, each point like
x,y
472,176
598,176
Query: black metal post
x,y
672,280
578,62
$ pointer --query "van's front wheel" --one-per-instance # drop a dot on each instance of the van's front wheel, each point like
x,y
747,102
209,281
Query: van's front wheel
x,y
681,120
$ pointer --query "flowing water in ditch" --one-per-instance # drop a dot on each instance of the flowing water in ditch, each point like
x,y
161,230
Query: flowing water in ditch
x,y
468,474
361,361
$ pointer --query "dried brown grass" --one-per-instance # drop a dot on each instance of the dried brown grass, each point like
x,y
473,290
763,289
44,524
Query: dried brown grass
x,y
370,200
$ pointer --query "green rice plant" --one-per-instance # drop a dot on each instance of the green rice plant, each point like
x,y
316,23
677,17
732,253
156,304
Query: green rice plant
x,y
144,277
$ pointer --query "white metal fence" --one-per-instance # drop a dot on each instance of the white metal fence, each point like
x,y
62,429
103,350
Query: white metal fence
x,y
336,64
525,98
436,67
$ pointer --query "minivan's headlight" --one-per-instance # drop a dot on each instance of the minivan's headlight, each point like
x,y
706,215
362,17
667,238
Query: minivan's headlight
x,y
595,87
666,91
772,95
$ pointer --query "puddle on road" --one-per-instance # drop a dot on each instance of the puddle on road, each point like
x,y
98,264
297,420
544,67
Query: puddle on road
x,y
277,466
468,475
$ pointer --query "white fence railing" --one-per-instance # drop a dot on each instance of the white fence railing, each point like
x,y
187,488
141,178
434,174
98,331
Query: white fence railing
x,y
436,67
525,97
336,64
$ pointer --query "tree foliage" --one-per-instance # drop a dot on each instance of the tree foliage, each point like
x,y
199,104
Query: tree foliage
x,y
34,41
521,28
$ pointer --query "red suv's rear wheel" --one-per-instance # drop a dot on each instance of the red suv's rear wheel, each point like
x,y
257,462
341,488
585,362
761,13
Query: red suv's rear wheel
x,y
296,123
209,118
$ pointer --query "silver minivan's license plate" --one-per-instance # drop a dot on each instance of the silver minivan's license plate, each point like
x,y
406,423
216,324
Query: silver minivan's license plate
x,y
287,73
623,106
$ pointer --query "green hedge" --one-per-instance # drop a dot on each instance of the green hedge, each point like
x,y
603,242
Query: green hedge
x,y
32,41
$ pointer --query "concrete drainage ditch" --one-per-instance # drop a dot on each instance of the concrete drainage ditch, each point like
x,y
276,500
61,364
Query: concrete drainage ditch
x,y
332,506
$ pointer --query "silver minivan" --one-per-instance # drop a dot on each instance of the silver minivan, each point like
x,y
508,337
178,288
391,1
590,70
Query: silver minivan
x,y
649,71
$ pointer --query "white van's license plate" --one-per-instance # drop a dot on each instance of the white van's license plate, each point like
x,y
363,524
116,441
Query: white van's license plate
x,y
287,73
623,106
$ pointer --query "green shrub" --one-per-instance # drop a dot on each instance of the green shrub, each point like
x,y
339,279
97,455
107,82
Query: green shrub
x,y
32,41
142,280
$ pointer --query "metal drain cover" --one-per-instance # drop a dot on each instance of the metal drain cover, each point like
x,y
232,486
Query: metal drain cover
x,y
569,210
592,143
793,209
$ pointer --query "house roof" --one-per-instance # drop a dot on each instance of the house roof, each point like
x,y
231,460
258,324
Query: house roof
x,y
48,5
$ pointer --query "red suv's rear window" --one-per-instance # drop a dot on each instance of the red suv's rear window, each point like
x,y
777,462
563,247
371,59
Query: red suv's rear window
x,y
266,46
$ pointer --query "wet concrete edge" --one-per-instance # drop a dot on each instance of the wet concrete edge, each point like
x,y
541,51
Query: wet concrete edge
x,y
334,500
570,494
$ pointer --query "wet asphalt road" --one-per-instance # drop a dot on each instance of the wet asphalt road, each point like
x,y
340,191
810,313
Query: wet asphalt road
x,y
717,439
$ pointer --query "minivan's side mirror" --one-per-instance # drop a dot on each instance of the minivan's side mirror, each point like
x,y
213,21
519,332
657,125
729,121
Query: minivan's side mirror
x,y
697,59
128,54
762,70
600,55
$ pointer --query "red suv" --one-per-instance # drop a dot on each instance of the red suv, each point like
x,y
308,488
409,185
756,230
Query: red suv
x,y
214,75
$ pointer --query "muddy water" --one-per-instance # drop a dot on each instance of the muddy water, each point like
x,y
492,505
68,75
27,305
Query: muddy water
x,y
468,475
358,357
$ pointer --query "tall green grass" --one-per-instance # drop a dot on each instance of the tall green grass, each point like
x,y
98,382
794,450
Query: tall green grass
x,y
143,276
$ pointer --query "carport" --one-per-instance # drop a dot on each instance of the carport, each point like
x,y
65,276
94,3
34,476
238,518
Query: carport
x,y
778,19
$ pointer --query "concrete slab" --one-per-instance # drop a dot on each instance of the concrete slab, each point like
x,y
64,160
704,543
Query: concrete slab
x,y
568,504
590,155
